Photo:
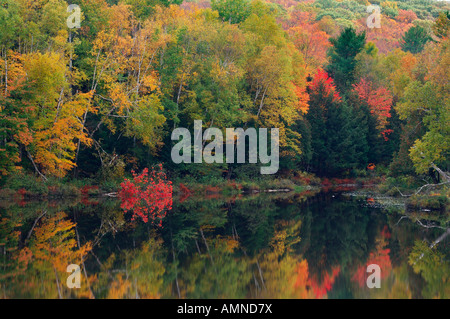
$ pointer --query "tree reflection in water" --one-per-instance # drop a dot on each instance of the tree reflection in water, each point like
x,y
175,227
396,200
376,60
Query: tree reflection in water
x,y
261,246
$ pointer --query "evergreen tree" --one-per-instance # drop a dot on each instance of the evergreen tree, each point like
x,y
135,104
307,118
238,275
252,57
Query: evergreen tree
x,y
414,39
359,132
331,127
317,122
411,129
392,140
373,137
342,57
339,140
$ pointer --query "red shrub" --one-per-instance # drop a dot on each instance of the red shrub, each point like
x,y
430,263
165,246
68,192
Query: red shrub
x,y
185,192
326,182
148,195
22,192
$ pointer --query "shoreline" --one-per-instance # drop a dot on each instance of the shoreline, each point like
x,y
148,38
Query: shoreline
x,y
34,189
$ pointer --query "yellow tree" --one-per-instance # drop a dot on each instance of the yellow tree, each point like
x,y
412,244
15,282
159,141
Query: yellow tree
x,y
281,273
276,75
54,247
147,271
56,121
125,85
429,99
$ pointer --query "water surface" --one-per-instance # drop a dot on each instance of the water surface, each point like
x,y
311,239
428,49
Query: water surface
x,y
255,246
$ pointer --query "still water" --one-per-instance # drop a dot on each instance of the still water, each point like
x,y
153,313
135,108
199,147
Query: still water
x,y
307,245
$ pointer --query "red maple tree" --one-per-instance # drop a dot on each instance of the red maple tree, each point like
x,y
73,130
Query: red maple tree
x,y
322,81
379,100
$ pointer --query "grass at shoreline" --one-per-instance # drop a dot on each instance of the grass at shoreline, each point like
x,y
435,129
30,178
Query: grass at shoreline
x,y
33,187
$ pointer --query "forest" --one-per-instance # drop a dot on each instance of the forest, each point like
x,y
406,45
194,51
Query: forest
x,y
86,175
100,100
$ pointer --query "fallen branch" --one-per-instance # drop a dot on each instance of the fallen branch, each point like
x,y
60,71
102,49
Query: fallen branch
x,y
427,185
113,194
419,222
401,219
420,188
441,172
426,226
437,241
401,192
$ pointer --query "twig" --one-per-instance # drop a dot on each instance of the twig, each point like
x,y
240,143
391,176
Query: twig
x,y
420,188
34,224
401,192
426,226
426,185
113,194
401,219
420,223
437,241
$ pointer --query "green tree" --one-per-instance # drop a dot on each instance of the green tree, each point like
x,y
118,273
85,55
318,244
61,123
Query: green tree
x,y
434,268
441,27
342,57
232,11
15,123
414,39
429,101
331,128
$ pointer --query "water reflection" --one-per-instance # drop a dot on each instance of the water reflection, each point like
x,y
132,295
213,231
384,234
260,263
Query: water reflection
x,y
261,246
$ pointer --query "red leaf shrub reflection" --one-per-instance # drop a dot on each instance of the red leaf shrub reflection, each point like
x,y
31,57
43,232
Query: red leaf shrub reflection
x,y
379,257
322,287
148,195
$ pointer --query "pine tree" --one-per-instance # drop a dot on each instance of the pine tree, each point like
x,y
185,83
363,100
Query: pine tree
x,y
342,57
414,39
339,140
360,130
331,127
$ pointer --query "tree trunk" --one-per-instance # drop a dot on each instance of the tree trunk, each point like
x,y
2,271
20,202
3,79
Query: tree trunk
x,y
82,260
262,102
35,167
207,247
441,172
437,241
34,225
57,284
176,271
6,73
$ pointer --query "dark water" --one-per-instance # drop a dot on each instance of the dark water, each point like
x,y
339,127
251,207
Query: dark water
x,y
261,246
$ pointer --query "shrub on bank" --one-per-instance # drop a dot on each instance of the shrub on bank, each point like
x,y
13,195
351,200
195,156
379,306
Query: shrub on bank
x,y
432,202
35,186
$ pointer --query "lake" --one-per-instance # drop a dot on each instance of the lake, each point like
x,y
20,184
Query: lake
x,y
314,244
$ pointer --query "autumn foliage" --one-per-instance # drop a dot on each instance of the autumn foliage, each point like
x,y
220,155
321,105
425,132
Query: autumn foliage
x,y
379,100
322,287
148,195
323,82
379,257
